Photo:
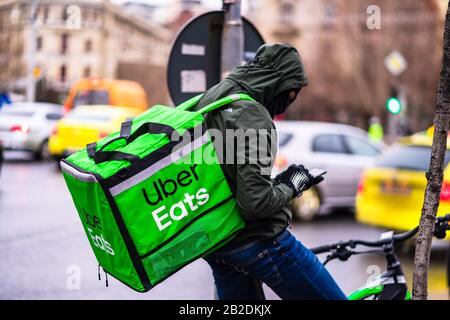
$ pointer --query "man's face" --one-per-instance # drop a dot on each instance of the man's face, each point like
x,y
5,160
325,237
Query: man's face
x,y
282,101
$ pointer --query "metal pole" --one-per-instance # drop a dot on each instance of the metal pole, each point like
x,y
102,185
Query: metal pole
x,y
404,124
391,128
31,83
232,37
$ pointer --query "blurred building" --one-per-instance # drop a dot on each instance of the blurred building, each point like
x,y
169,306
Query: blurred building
x,y
344,58
82,38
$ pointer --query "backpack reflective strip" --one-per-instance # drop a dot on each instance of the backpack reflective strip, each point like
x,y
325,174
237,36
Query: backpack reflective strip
x,y
161,164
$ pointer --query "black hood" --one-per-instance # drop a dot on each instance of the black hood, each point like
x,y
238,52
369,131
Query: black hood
x,y
275,69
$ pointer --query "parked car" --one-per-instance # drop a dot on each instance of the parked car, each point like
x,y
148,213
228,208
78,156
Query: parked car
x,y
27,126
391,192
1,157
99,91
343,151
84,125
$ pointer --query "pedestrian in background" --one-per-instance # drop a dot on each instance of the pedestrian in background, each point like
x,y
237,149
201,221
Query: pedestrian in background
x,y
376,132
4,99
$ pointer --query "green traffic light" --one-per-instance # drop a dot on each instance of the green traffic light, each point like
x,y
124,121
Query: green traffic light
x,y
393,105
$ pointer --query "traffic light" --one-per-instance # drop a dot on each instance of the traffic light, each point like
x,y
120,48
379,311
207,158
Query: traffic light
x,y
394,104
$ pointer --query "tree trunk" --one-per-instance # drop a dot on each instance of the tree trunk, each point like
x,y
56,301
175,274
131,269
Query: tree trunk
x,y
448,269
434,175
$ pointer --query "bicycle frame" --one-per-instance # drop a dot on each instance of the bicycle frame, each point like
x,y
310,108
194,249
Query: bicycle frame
x,y
391,285
384,287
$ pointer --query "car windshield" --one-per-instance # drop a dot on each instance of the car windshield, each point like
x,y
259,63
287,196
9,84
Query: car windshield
x,y
416,158
91,97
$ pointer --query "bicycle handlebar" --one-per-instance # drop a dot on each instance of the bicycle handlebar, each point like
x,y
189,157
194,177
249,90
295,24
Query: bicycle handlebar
x,y
396,238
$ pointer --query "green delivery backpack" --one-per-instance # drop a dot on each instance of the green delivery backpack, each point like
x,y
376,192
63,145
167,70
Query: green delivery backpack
x,y
150,205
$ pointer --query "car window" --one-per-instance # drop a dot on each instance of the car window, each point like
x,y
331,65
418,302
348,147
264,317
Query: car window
x,y
53,116
329,143
91,97
88,117
16,113
284,139
360,147
416,158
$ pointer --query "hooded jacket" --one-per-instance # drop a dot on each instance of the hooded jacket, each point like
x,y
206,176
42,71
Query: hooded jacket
x,y
263,205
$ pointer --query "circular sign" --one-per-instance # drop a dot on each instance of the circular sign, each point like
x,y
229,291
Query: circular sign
x,y
194,62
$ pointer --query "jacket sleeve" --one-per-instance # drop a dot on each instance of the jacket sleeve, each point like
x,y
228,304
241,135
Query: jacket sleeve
x,y
257,196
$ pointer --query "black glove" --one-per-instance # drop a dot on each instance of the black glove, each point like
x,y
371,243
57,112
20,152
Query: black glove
x,y
298,178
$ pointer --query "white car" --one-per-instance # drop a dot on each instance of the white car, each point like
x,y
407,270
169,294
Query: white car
x,y
1,157
343,151
27,127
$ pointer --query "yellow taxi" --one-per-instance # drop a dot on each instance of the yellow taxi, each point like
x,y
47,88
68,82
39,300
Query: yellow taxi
x,y
84,125
391,193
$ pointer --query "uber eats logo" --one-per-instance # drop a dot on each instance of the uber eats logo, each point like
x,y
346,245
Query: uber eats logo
x,y
93,223
165,189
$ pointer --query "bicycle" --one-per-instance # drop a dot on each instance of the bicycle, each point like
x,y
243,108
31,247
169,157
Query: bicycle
x,y
390,285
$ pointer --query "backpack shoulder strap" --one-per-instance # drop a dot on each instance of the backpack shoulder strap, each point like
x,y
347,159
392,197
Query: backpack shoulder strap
x,y
185,106
224,101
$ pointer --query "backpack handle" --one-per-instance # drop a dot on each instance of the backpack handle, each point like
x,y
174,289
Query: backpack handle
x,y
187,105
101,156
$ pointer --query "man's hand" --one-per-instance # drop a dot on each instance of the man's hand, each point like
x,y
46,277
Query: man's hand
x,y
298,178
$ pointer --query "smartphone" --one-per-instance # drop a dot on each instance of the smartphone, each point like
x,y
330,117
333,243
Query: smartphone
x,y
316,173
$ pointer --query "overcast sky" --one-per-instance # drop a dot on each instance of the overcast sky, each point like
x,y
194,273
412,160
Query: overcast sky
x,y
213,4
165,4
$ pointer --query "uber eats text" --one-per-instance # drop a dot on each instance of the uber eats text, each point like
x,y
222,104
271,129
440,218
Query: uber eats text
x,y
165,189
94,222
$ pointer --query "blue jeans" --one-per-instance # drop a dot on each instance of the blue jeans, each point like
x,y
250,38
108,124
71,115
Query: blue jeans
x,y
282,262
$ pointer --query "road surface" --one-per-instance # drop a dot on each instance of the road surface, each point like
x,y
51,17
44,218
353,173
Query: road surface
x,y
44,253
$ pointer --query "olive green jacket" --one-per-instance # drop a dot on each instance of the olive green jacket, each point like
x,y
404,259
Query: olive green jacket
x,y
264,205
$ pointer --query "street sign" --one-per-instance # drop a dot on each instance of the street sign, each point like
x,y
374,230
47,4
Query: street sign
x,y
195,57
396,63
